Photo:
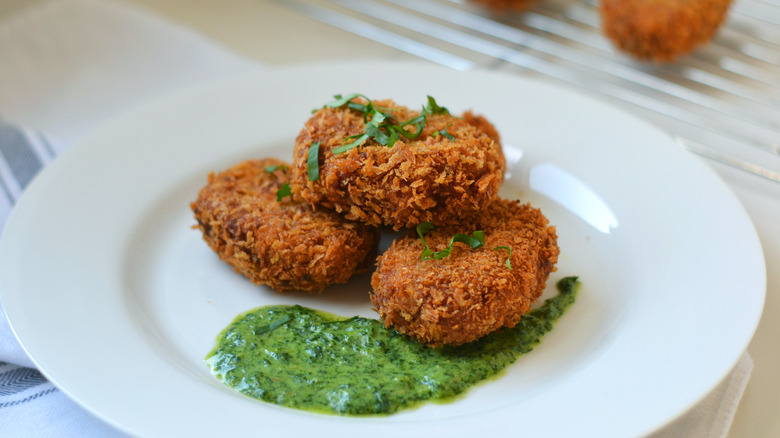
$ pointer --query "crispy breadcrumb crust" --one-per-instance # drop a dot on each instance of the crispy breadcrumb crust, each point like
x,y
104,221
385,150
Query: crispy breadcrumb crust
x,y
483,124
472,292
429,178
661,30
285,245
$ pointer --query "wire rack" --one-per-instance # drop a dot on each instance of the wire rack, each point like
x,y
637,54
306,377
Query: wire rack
x,y
721,102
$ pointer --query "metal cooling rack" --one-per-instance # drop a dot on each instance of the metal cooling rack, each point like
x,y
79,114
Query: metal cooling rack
x,y
721,102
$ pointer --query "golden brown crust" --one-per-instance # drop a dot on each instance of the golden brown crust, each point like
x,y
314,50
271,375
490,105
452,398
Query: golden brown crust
x,y
426,179
472,292
285,245
661,30
483,124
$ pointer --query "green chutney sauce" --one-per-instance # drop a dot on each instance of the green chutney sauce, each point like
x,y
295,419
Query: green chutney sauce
x,y
306,359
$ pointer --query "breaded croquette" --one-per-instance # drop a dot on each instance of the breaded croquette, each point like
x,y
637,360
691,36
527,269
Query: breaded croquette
x,y
661,30
250,220
447,168
470,292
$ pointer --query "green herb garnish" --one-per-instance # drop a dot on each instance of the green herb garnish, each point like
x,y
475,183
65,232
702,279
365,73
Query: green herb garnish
x,y
313,161
418,122
283,192
344,100
381,126
476,240
275,167
508,264
361,138
444,133
433,108
421,230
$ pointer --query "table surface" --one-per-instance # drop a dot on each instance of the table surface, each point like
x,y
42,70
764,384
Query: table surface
x,y
276,36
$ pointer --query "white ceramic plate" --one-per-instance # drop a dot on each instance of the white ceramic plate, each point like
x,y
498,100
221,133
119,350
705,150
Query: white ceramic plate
x,y
118,300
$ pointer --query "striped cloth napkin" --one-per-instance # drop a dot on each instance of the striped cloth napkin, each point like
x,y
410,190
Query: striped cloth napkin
x,y
61,75
22,155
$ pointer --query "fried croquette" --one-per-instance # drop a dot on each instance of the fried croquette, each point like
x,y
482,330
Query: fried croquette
x,y
661,30
455,166
281,243
471,292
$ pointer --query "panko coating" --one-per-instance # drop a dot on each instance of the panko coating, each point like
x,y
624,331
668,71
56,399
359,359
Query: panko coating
x,y
471,292
483,124
283,244
453,167
661,30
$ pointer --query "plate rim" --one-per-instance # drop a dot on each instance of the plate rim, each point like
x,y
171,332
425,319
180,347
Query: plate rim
x,y
82,146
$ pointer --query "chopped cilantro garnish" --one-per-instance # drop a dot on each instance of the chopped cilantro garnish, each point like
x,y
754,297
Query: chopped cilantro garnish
x,y
345,147
418,122
275,167
433,108
381,126
313,161
421,230
509,258
444,133
343,100
476,240
283,192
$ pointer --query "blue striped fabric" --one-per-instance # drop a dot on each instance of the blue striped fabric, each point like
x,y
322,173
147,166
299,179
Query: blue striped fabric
x,y
22,155
18,153
20,385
